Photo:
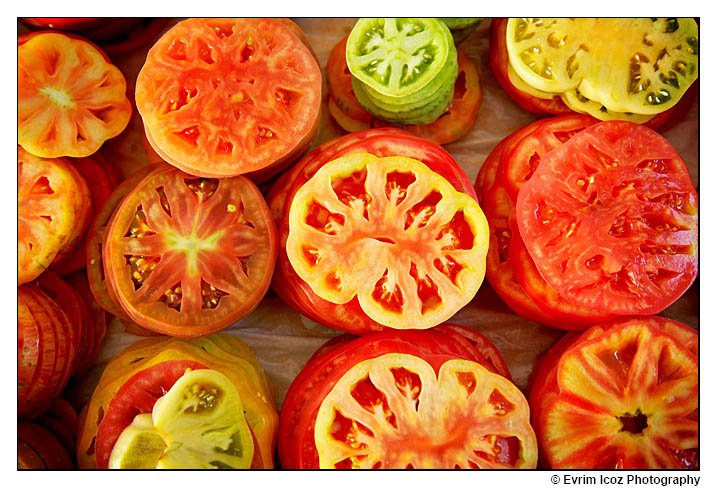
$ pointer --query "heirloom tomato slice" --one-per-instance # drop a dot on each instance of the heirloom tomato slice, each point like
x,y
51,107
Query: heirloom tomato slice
x,y
623,395
188,256
38,448
450,126
221,97
393,234
637,65
197,424
136,396
396,411
48,193
610,220
70,97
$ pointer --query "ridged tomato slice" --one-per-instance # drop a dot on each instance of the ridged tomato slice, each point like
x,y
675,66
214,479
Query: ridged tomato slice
x,y
623,395
50,193
222,97
610,219
395,411
188,256
391,233
70,97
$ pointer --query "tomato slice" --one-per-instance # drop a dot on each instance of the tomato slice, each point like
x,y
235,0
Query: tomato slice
x,y
624,395
91,170
428,241
97,323
48,192
499,59
221,97
454,123
138,395
188,256
95,236
70,97
38,448
610,219
390,400
381,142
644,70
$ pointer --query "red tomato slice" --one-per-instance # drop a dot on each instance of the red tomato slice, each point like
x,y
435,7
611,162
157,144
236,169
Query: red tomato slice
x,y
319,393
381,142
189,256
38,448
450,126
62,421
136,396
221,97
610,220
600,400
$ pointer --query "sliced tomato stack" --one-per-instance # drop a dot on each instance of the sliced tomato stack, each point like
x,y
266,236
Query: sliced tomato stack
x,y
224,97
405,399
182,255
640,70
621,395
378,229
206,397
637,211
454,122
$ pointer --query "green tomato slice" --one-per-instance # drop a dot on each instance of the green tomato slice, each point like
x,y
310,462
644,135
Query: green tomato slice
x,y
460,22
638,65
398,57
198,424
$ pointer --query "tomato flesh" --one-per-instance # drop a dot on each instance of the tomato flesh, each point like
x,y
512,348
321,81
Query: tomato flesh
x,y
362,216
189,256
222,97
610,219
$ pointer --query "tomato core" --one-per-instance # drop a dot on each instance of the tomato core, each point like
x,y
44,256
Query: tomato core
x,y
634,423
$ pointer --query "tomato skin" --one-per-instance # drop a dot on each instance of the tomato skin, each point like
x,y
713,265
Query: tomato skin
x,y
328,365
47,347
546,389
38,448
286,283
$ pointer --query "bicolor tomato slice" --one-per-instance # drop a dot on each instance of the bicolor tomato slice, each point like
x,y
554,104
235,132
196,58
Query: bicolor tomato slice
x,y
610,219
395,411
197,424
222,97
49,192
624,395
188,256
70,97
390,232
642,66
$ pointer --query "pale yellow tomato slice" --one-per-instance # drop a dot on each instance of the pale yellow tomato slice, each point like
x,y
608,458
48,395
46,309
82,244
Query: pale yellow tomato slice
x,y
637,65
392,233
395,411
198,424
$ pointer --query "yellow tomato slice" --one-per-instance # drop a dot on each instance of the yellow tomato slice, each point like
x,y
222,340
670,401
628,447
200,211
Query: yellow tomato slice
x,y
392,233
638,65
198,424
70,97
394,411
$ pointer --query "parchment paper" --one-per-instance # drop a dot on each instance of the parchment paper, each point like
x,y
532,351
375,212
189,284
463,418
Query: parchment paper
x,y
283,339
